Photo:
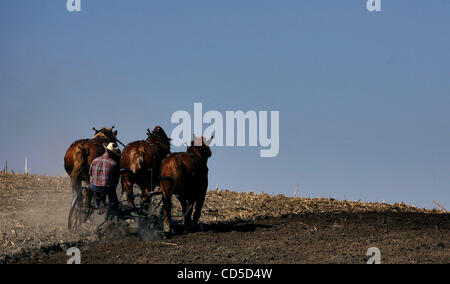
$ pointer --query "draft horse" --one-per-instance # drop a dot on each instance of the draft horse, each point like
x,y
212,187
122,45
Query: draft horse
x,y
185,174
141,162
82,152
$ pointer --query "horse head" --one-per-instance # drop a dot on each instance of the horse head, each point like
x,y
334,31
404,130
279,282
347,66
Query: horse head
x,y
160,135
200,146
107,134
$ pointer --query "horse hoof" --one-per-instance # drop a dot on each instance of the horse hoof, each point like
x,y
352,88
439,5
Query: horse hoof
x,y
167,235
167,228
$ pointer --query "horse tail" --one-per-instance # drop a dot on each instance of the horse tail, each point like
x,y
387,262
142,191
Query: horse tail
x,y
179,173
172,175
79,160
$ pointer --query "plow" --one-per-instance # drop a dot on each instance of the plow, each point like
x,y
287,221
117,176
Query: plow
x,y
84,214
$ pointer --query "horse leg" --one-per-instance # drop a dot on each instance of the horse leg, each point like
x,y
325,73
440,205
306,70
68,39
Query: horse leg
x,y
167,208
127,187
198,209
184,207
155,179
188,216
167,205
183,204
145,188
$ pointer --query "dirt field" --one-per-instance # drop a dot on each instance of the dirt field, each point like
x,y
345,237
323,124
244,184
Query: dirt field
x,y
237,228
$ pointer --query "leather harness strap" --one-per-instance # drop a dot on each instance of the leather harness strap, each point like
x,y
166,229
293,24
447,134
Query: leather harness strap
x,y
153,148
97,144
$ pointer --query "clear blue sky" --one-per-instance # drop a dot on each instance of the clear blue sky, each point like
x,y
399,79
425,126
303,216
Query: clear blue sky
x,y
363,97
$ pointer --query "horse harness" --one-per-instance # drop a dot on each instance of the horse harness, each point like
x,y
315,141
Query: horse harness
x,y
98,145
195,162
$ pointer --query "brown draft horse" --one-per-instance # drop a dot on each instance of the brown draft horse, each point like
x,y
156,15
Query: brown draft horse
x,y
82,152
141,162
185,174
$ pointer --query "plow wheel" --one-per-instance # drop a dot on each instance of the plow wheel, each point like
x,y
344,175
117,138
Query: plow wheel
x,y
80,210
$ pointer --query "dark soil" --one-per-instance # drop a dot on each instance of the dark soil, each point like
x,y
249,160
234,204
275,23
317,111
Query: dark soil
x,y
237,228
308,238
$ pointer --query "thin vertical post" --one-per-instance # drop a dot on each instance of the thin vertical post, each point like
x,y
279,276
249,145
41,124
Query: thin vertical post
x,y
296,189
26,166
5,169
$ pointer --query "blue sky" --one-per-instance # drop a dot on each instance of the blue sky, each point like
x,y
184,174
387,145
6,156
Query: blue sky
x,y
363,97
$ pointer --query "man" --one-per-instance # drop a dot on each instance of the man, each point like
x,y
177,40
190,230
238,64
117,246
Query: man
x,y
105,174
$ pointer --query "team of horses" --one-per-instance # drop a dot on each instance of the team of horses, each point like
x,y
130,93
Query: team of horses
x,y
150,164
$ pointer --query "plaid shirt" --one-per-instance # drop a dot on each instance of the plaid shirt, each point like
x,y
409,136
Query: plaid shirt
x,y
104,172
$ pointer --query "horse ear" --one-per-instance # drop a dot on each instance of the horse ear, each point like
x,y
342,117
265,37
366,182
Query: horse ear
x,y
115,133
198,141
207,143
96,131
